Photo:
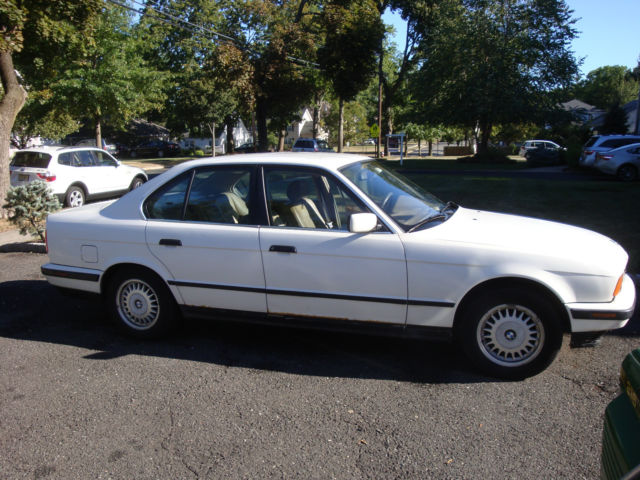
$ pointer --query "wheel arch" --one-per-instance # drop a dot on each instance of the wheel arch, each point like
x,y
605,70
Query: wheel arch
x,y
79,185
627,165
114,269
515,282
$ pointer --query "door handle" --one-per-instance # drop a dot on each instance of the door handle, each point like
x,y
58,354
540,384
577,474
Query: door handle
x,y
283,249
170,242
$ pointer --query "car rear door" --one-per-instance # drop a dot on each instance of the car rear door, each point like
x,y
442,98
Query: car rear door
x,y
212,255
314,266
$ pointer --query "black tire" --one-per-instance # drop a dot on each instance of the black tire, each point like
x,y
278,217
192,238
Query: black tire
x,y
627,173
509,333
75,197
136,182
140,303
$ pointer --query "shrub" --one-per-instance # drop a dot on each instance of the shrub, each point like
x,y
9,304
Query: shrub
x,y
29,205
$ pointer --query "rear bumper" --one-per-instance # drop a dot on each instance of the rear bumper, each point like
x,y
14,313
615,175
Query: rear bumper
x,y
599,317
72,278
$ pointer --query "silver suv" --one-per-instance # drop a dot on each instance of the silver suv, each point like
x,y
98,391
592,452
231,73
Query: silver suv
x,y
603,143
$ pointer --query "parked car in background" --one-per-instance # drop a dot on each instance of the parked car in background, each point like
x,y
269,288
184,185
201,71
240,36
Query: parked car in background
x,y
311,145
75,174
603,143
91,142
538,145
340,241
538,157
248,147
620,457
155,148
623,162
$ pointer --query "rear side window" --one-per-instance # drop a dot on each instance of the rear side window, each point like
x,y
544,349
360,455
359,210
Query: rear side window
x,y
31,160
167,203
591,141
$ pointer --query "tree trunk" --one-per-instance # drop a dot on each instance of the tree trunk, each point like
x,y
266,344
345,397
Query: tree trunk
x,y
98,133
316,117
430,147
485,134
261,119
340,125
419,148
281,134
380,81
10,105
231,141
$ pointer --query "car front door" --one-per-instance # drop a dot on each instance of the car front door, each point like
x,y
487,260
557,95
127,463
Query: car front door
x,y
314,266
108,176
201,227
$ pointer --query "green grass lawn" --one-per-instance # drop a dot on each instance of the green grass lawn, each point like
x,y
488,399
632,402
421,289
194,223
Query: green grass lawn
x,y
608,207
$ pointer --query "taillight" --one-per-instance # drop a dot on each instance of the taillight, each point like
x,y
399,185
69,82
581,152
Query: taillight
x,y
588,152
46,176
605,157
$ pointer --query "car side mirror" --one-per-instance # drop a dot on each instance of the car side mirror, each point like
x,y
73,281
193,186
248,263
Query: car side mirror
x,y
362,222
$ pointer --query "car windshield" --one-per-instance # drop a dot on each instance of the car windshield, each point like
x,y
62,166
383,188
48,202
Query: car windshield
x,y
407,203
31,159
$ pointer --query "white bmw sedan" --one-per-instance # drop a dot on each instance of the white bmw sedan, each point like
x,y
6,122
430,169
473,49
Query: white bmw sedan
x,y
340,241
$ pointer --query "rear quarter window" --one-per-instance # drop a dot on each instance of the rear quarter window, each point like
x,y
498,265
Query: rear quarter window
x,y
31,160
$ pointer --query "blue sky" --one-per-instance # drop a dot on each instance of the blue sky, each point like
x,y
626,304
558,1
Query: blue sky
x,y
609,32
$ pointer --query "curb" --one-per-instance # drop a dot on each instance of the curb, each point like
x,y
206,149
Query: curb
x,y
23,247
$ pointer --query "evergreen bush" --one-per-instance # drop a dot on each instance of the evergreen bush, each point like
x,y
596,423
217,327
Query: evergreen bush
x,y
29,205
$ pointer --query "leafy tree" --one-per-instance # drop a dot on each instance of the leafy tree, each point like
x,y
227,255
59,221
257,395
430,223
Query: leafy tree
x,y
490,62
110,82
354,120
607,86
615,121
43,115
33,33
353,31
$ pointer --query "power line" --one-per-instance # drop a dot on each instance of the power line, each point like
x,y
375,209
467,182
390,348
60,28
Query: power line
x,y
199,30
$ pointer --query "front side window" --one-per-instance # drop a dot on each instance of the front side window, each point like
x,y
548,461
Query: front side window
x,y
212,194
104,159
308,199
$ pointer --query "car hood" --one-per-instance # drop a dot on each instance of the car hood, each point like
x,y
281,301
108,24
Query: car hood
x,y
552,245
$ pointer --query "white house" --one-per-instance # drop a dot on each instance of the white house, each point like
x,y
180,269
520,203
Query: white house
x,y
304,127
240,136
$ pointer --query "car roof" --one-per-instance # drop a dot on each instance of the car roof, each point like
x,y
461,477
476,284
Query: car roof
x,y
58,148
331,161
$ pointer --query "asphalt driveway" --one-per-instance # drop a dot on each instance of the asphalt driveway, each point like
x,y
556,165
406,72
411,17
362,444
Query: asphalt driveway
x,y
231,401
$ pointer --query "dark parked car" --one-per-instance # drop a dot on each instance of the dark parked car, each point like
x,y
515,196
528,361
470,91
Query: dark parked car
x,y
621,433
155,148
541,156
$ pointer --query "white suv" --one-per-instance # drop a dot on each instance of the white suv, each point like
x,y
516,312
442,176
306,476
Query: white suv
x,y
75,174
603,143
